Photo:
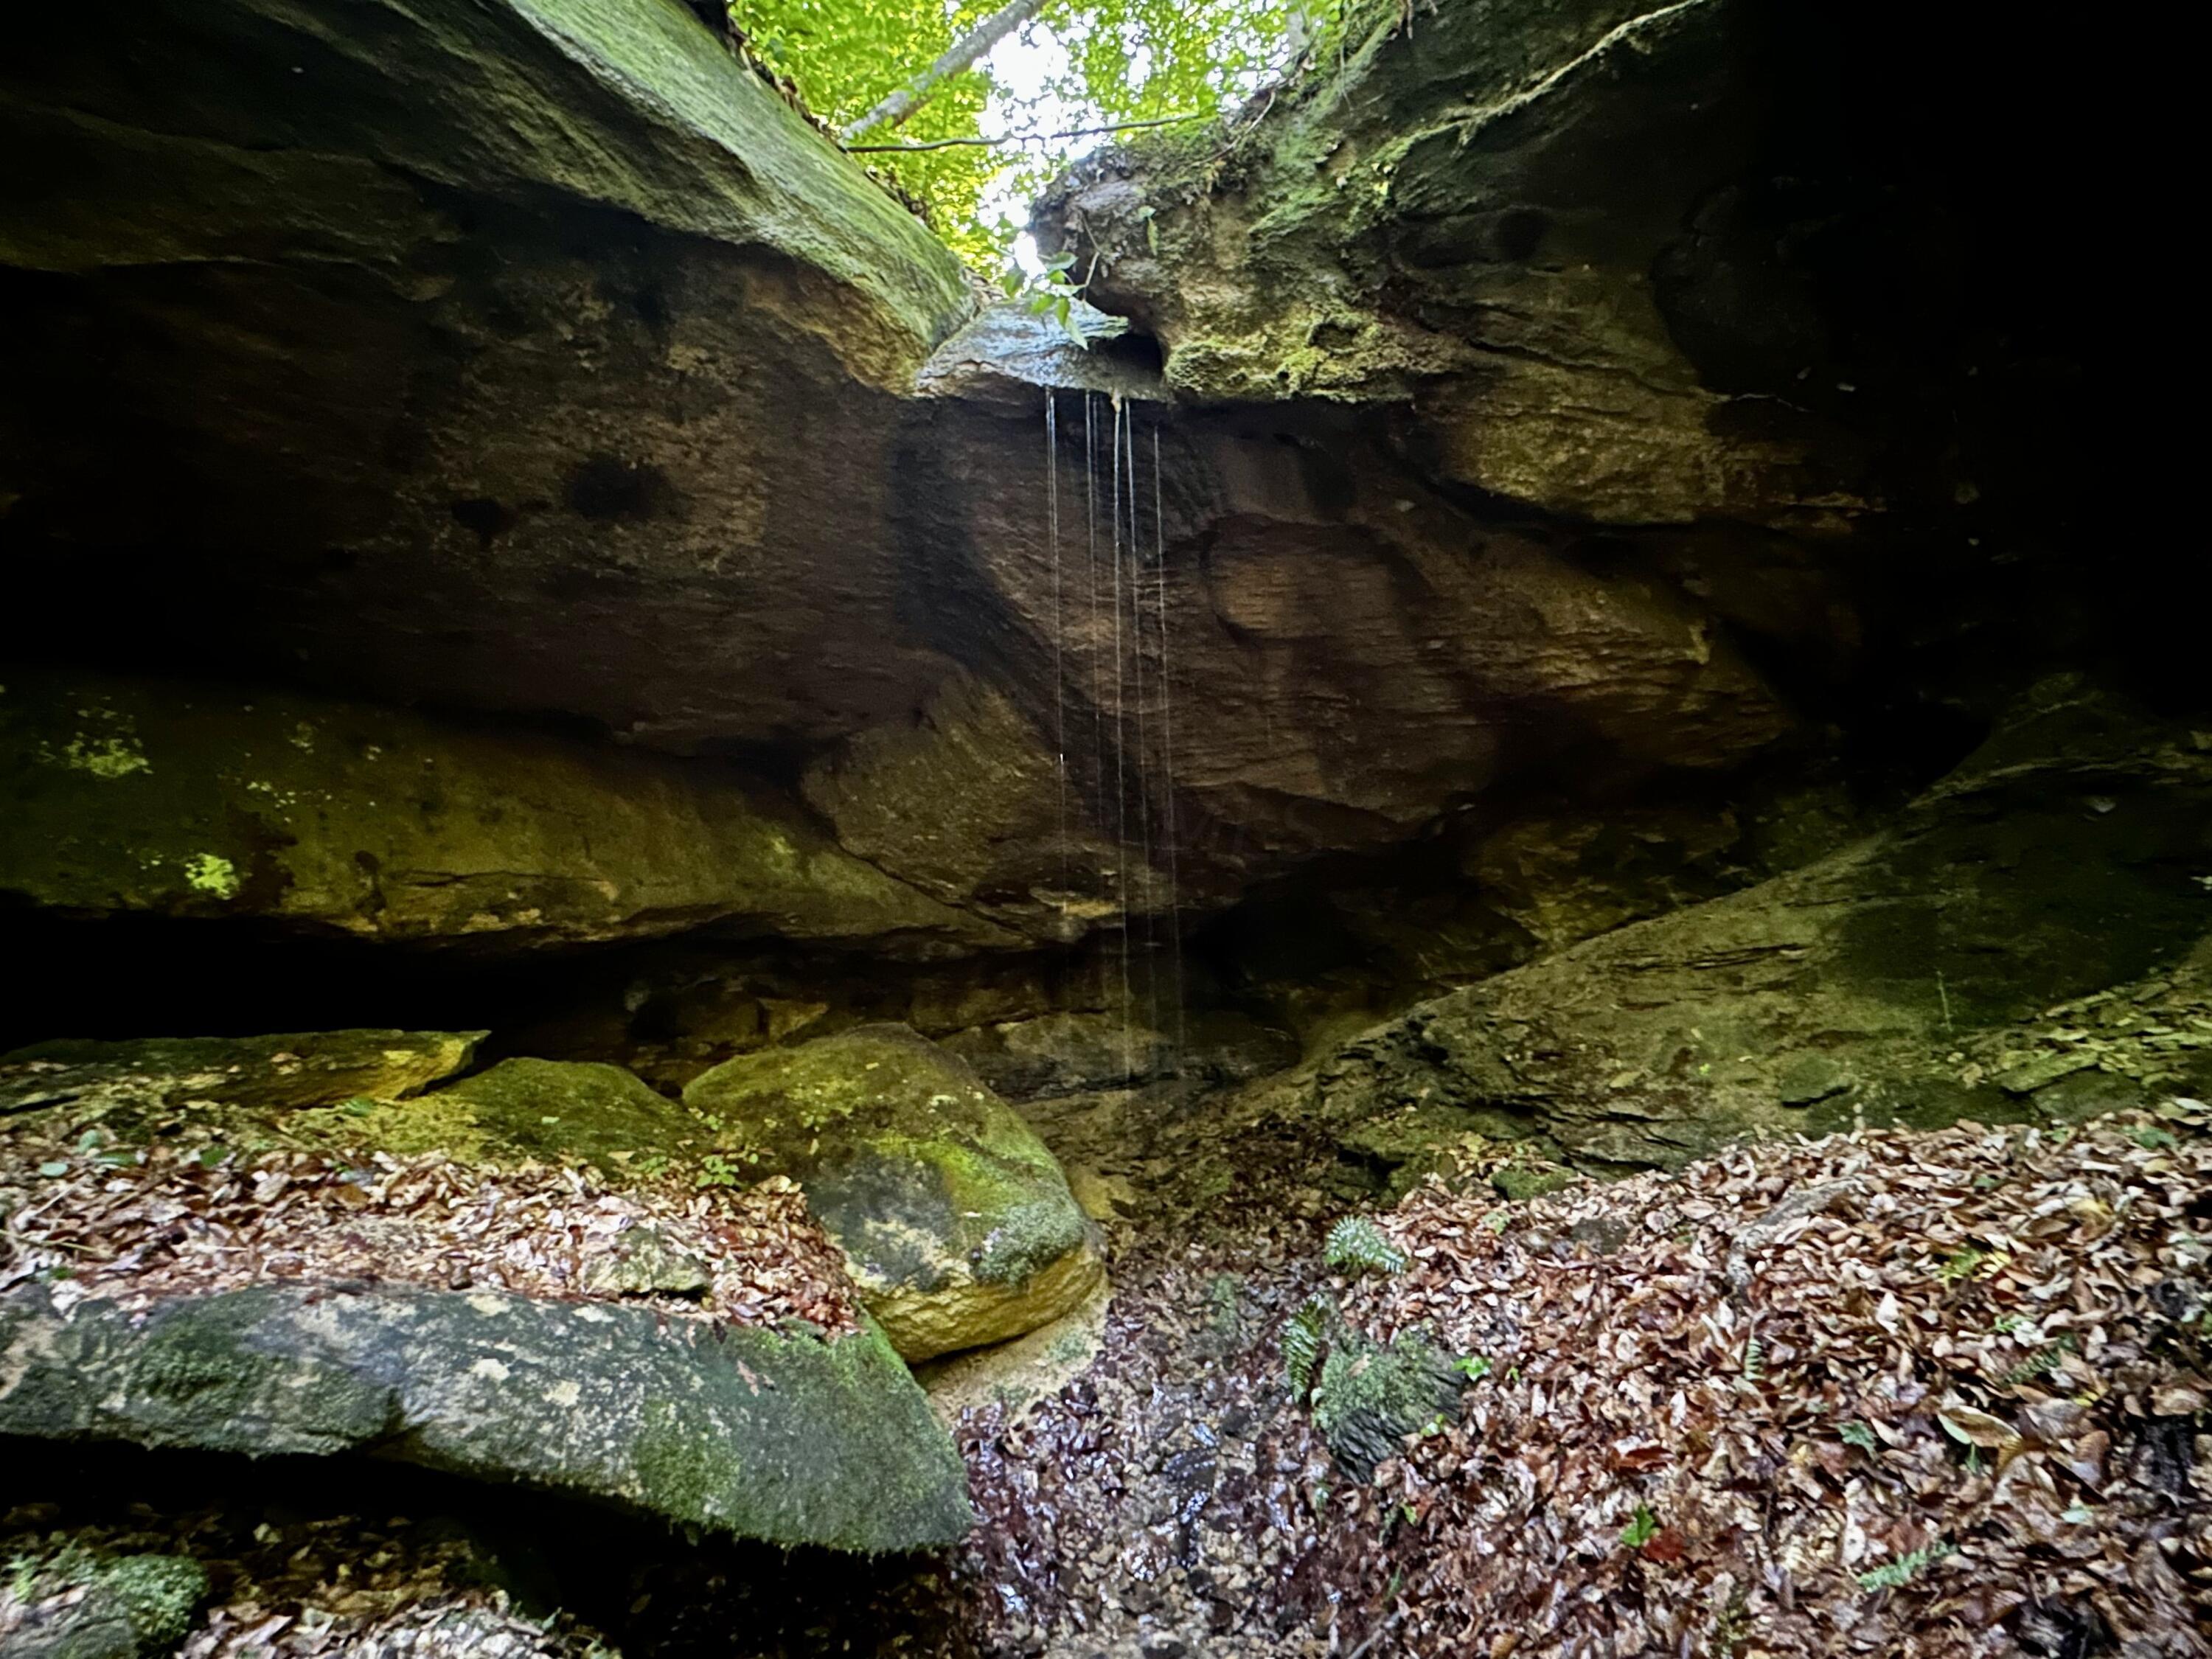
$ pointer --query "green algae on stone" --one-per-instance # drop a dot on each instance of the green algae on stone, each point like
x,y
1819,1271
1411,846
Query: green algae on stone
x,y
756,1432
561,1109
957,1220
1908,977
1368,1397
124,1606
132,1086
376,822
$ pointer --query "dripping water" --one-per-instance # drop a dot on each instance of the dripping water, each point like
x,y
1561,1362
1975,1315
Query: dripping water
x,y
1095,632
1091,564
1059,677
1120,740
1142,863
1167,741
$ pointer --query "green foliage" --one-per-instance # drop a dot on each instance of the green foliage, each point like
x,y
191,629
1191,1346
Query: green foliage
x,y
1856,1433
1474,1367
1056,293
1640,1530
1126,61
1893,1575
1303,1339
716,1170
1356,1245
1961,1264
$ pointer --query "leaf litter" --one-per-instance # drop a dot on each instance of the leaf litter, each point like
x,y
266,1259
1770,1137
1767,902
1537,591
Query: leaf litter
x,y
135,1225
1901,1393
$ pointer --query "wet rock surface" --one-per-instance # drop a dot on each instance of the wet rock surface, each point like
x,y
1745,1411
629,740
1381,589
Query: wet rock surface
x,y
134,796
957,1220
2055,863
264,1076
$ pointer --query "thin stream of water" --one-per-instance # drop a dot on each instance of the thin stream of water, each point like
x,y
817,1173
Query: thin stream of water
x,y
1142,866
1091,560
1059,634
1167,741
1121,743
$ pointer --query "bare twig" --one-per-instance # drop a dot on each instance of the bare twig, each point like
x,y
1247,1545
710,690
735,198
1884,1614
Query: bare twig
x,y
1026,137
958,57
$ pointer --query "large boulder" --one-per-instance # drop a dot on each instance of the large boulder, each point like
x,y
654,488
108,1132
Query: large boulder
x,y
1932,971
269,1077
130,796
478,1283
553,1110
764,1434
957,1220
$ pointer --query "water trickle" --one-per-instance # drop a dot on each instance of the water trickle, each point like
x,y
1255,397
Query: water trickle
x,y
1121,742
1166,679
1059,631
1142,863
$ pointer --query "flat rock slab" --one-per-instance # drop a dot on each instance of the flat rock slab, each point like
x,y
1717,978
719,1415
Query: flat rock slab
x,y
283,1072
748,1431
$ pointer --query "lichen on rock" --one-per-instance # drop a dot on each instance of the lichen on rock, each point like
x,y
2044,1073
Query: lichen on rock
x,y
346,818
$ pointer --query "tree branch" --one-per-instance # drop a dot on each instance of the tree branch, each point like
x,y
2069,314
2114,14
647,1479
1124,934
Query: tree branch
x,y
1025,138
962,53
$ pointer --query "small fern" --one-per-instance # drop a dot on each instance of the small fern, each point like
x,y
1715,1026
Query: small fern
x,y
2038,1361
1894,1575
1754,1360
1858,1433
1356,1245
1302,1344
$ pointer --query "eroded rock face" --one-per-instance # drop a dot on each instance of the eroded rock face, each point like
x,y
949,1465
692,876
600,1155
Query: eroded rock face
x,y
134,796
269,1076
507,356
957,1220
744,1431
1889,979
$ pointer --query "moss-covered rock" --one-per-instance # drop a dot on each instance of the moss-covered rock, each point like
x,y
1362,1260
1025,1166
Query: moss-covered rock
x,y
130,796
756,1432
1466,213
1922,973
957,1220
538,348
555,1109
72,1602
270,1077
1368,1397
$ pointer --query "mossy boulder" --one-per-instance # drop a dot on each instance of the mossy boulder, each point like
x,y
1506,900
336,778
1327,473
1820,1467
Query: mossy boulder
x,y
269,1076
957,1221
554,1109
73,1602
340,818
757,1432
1368,1397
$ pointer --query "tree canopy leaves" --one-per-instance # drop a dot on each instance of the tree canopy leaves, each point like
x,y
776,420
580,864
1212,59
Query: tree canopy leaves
x,y
1118,61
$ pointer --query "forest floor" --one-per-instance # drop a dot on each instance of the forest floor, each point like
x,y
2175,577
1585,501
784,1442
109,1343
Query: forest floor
x,y
1904,1393
1907,1393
